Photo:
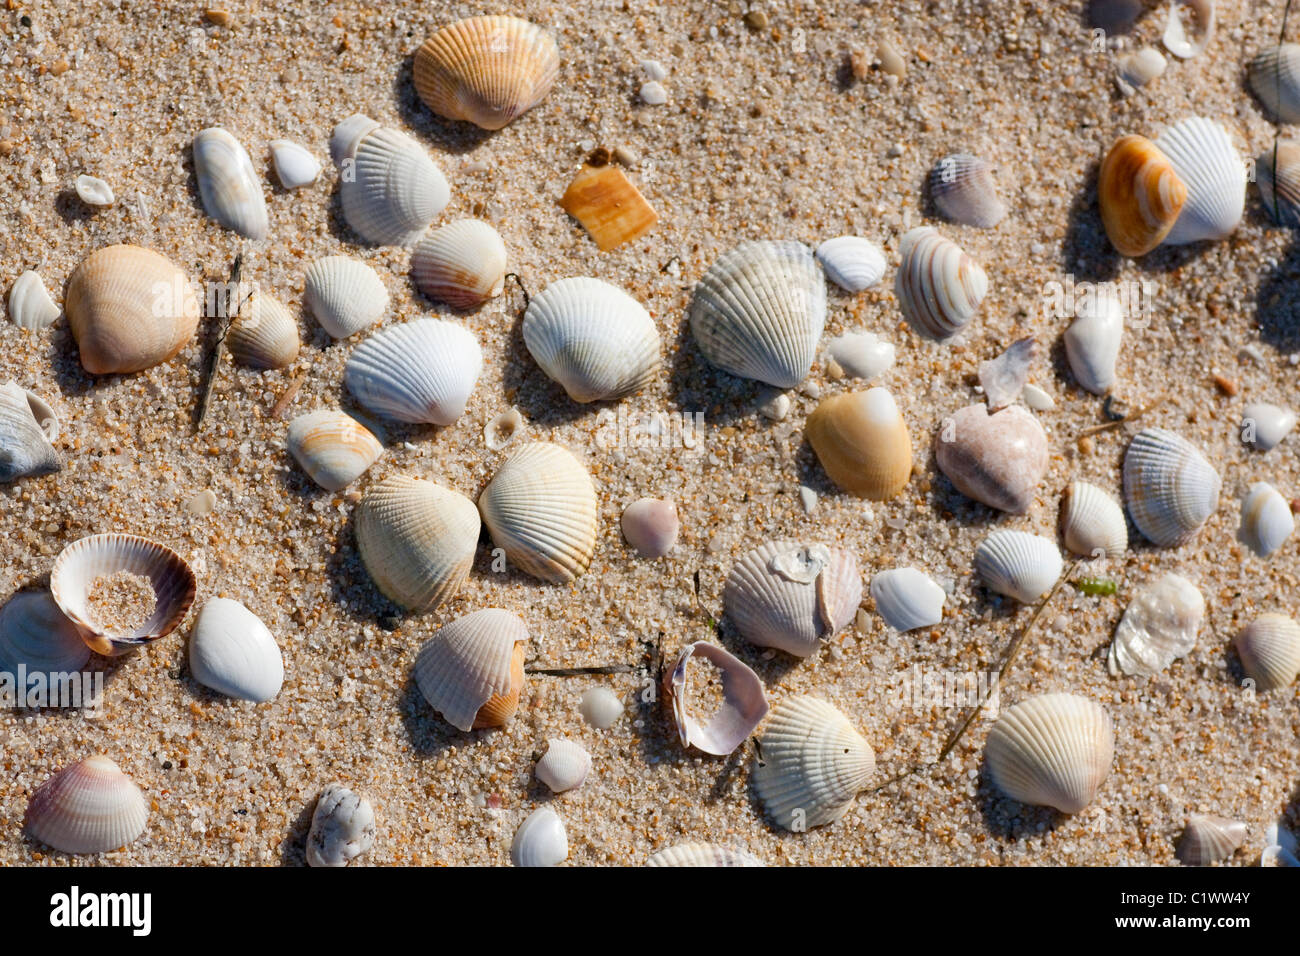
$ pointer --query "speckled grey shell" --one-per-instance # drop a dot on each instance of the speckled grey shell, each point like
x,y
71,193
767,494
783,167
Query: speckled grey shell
x,y
1208,839
1018,564
390,188
965,192
1280,191
702,854
1215,177
1275,77
421,371
1169,487
939,287
342,827
1269,647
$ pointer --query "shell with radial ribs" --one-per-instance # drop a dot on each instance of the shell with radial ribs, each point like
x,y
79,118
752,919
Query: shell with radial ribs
x,y
939,287
472,670
702,854
1277,177
263,334
1140,195
88,807
421,371
1092,521
1158,626
1275,77
1214,174
462,263
1208,839
27,424
744,704
344,294
861,440
540,840
30,305
389,187
332,447
564,766
234,653
852,263
1269,648
1169,486
964,191
1018,564
342,827
228,185
997,459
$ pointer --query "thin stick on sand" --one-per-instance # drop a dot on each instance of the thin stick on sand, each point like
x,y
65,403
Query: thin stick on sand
x,y
1134,416
214,357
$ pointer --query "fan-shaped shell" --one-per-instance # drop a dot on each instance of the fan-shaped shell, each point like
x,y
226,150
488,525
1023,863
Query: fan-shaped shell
x,y
1215,176
1277,177
564,766
540,508
593,338
332,447
129,309
861,440
421,371
26,426
486,70
472,670
812,764
35,633
759,312
1208,839
997,458
1275,77
964,191
702,854
540,840
264,334
907,598
1140,194
1158,626
231,191
939,287
1053,750
1266,519
30,305
417,540
743,707
1169,486
1018,564
233,652
342,827
852,263
88,807
462,263
389,187
1092,341
1269,647
1092,521
344,294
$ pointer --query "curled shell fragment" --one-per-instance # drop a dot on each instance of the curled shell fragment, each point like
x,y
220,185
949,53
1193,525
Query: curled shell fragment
x,y
30,305
1183,42
743,707
1158,626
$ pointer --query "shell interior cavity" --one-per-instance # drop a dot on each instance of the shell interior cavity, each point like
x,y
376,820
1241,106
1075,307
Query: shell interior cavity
x,y
421,371
852,263
27,423
233,652
229,187
907,598
333,448
1169,486
389,187
1269,648
462,263
564,766
1208,839
1018,564
743,707
88,807
1215,176
36,634
1266,519
342,827
939,287
1092,341
472,670
1092,522
702,854
965,192
1140,195
344,294
30,305
1158,626
93,191
540,840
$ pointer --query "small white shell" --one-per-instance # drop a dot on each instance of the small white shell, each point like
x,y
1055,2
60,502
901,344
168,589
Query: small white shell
x,y
1263,426
232,652
230,190
1208,839
472,670
564,766
294,165
863,355
462,263
907,598
34,632
93,192
650,526
1275,77
421,371
89,807
1169,487
812,763
503,428
852,263
1135,70
1215,177
1036,398
1159,626
540,840
346,136
1276,855
30,305
1093,521
964,191
389,187
1269,647
1092,341
1018,564
702,854
593,338
344,294
744,704
1176,38
1053,750
1266,519
600,707
939,287
332,447
342,827
264,334
26,424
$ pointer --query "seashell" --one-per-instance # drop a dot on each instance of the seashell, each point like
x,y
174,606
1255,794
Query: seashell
x,y
421,371
1053,750
295,166
1092,522
1208,839
472,670
342,827
1176,38
93,192
263,334
650,526
593,338
486,70
417,540
907,598
100,555
1215,176
600,707
1159,626
608,206
1274,75
30,305
997,459
812,763
759,312
389,187
1004,377
1264,426
702,854
1114,16
129,309
861,440
34,633
88,807
1266,519
1275,855
344,294
462,263
1092,340
564,766
793,596
1277,177
332,447
1269,647
540,508
743,707
501,430
540,840
852,263
1135,70
939,287
863,355
27,424
1140,195
1277,834
1169,487
1036,398
965,192
1018,564
230,190
232,652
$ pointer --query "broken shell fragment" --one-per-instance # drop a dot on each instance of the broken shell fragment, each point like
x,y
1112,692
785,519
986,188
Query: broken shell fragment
x,y
1135,70
344,294
1159,626
263,334
332,447
93,191
1277,177
233,652
564,766
861,440
650,526
295,166
1266,519
503,428
1269,648
35,634
472,670
27,423
996,458
1264,426
1169,486
939,287
907,598
389,188
1140,194
342,827
462,263
1181,42
702,854
421,371
1092,522
1209,839
540,840
608,206
964,191
30,305
1004,377
88,807
1018,564
743,707
230,189
1092,341
863,355
852,263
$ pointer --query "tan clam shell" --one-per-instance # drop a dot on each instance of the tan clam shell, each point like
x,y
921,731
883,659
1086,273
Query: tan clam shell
x,y
129,309
1140,194
264,334
862,441
997,458
1208,839
487,70
1092,521
1269,647
702,854
472,670
462,263
744,704
88,807
332,447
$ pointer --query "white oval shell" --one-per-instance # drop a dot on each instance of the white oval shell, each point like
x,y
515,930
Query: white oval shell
x,y
650,526
907,598
600,707
939,287
540,840
852,263
344,294
1264,426
230,190
333,448
264,334
93,192
1092,341
743,707
1214,174
965,192
1169,487
702,854
35,633
26,424
564,766
390,188
1158,626
1275,77
421,371
863,355
467,662
1269,647
1093,521
1018,564
30,305
233,652
1208,839
462,263
294,165
342,827
1266,519
89,807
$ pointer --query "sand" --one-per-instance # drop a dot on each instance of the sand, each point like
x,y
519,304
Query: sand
x,y
766,135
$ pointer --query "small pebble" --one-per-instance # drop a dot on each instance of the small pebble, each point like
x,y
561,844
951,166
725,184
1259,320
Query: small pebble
x,y
1086,444
601,707
1225,385
895,150
776,407
202,503
891,61
653,93
625,156
654,70
219,18
756,20
807,498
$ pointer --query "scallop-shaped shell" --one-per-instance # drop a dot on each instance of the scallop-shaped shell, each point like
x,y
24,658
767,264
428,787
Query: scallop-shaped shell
x,y
1269,647
1275,77
650,526
793,596
939,287
100,555
231,191
486,70
1092,341
593,338
30,305
861,440
996,458
964,191
540,840
811,764
342,827
759,312
540,507
344,294
852,263
1266,519
744,704
1277,177
1092,521
129,309
462,263
702,854
233,652
1208,839
1158,626
333,448
421,371
1018,564
907,598
1263,426
1169,486
1215,176
472,670
35,633
1140,195
1053,750
264,334
417,540
564,766
294,165
26,425
389,187
89,807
